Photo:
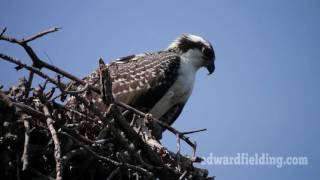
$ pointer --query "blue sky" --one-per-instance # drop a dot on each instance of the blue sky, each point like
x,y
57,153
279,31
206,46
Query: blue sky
x,y
263,97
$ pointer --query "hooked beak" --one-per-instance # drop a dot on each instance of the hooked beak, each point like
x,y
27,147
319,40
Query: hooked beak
x,y
211,67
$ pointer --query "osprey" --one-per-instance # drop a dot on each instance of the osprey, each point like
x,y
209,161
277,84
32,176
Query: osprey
x,y
158,83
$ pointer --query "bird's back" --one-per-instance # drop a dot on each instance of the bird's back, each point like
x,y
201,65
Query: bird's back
x,y
137,80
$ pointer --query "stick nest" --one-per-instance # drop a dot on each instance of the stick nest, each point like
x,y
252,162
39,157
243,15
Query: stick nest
x,y
42,137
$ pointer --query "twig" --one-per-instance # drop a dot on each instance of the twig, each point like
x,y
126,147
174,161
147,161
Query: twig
x,y
3,31
30,111
183,175
57,148
113,173
79,137
25,155
178,152
29,83
194,158
195,131
102,83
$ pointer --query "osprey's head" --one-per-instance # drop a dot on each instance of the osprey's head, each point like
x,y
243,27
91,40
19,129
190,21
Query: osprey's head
x,y
197,48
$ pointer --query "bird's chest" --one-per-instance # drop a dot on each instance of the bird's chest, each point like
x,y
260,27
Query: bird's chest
x,y
178,93
181,89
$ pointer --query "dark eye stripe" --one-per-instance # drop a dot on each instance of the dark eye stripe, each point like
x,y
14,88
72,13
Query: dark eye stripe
x,y
207,53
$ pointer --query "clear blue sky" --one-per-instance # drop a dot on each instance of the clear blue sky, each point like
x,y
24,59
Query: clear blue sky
x,y
263,98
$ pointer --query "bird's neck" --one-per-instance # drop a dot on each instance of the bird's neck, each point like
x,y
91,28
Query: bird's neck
x,y
192,59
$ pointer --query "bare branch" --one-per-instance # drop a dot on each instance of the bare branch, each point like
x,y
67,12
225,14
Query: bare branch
x,y
30,68
178,152
195,131
25,155
38,35
57,147
29,83
183,175
9,39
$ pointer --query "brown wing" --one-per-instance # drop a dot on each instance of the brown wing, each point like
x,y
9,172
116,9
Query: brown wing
x,y
141,81
138,80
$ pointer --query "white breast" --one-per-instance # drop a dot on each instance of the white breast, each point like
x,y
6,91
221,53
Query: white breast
x,y
180,91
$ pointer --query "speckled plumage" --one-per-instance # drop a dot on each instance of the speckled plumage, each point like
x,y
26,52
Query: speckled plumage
x,y
140,80
158,83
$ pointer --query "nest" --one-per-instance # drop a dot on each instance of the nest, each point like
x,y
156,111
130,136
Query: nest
x,y
42,137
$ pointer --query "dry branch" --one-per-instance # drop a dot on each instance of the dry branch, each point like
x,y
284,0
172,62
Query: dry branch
x,y
25,155
57,148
